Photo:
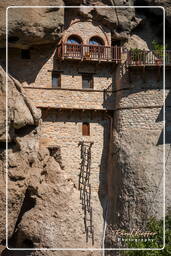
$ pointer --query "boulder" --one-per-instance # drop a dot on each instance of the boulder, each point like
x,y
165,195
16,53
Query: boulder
x,y
21,111
29,26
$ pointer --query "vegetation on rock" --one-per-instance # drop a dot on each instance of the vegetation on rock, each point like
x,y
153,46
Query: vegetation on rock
x,y
154,226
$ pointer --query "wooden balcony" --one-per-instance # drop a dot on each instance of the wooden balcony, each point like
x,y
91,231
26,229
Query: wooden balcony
x,y
148,58
89,52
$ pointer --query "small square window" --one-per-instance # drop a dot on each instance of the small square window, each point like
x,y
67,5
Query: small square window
x,y
25,54
86,129
56,80
87,81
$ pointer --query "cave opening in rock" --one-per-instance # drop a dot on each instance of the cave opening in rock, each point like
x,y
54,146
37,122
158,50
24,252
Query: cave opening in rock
x,y
13,39
27,129
140,3
25,54
3,145
55,152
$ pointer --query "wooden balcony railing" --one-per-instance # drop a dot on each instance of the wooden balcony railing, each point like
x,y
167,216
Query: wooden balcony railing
x,y
112,54
148,58
89,52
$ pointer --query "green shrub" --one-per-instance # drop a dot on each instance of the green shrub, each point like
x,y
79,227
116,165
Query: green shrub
x,y
158,48
137,54
154,226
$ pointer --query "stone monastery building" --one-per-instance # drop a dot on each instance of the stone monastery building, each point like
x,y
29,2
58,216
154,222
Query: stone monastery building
x,y
79,84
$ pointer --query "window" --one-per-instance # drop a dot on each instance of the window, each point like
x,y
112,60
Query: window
x,y
25,54
73,46
86,129
87,81
74,40
96,41
56,80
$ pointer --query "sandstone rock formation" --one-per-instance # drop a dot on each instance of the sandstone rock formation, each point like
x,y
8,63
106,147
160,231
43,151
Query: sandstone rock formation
x,y
40,192
20,110
118,20
163,3
31,25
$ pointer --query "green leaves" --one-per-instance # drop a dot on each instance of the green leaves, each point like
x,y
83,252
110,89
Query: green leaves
x,y
158,47
154,225
137,54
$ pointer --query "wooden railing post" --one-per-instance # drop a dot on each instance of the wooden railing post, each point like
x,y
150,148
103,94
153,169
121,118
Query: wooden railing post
x,y
81,51
112,53
94,52
62,48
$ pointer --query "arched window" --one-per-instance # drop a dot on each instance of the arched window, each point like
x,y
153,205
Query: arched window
x,y
74,40
95,40
73,46
96,47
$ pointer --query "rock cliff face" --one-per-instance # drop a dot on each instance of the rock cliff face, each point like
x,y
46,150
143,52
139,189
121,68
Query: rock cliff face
x,y
31,26
20,110
40,193
163,3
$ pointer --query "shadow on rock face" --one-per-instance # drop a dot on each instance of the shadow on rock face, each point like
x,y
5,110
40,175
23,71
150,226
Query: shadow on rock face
x,y
7,252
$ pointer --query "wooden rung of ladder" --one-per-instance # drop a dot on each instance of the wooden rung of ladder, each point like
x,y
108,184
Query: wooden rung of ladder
x,y
85,188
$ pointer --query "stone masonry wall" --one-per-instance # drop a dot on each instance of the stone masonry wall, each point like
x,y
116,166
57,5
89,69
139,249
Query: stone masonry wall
x,y
138,149
141,109
33,71
37,72
65,130
86,30
70,99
